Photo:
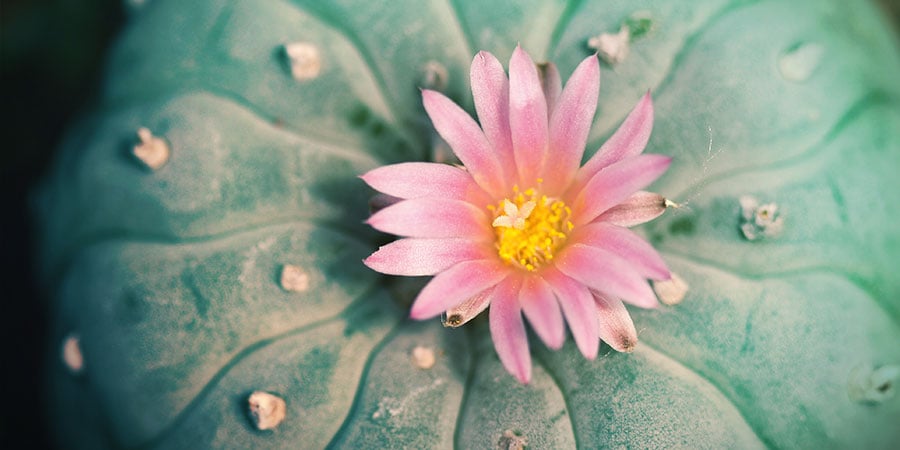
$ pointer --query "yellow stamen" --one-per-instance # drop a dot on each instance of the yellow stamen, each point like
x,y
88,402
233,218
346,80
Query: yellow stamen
x,y
530,228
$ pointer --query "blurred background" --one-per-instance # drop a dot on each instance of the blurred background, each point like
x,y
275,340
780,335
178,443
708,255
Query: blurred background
x,y
51,59
51,64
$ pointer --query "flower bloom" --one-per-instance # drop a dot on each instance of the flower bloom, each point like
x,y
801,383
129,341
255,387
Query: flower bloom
x,y
522,228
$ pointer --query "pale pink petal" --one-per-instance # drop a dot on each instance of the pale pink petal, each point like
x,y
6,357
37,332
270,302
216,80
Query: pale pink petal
x,y
638,208
629,139
527,117
542,311
614,184
616,326
604,271
508,331
490,91
466,139
570,123
579,309
625,243
433,218
456,285
421,179
417,257
458,315
551,83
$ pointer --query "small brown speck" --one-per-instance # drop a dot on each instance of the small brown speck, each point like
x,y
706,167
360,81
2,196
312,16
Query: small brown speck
x,y
453,320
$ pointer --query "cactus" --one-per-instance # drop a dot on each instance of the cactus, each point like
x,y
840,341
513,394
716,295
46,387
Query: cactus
x,y
202,231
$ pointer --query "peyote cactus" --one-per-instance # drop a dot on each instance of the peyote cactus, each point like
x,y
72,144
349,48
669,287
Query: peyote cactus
x,y
203,231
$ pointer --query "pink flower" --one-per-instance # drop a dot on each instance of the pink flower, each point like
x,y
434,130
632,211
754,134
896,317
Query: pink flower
x,y
522,228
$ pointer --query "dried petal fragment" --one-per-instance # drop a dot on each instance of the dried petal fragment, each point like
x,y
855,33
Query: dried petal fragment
x,y
458,315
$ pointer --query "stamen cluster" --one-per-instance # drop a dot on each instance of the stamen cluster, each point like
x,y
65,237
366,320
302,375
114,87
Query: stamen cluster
x,y
531,229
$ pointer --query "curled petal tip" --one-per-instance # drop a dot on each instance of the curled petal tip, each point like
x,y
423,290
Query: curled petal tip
x,y
427,92
649,305
520,51
646,104
417,313
628,345
664,161
554,345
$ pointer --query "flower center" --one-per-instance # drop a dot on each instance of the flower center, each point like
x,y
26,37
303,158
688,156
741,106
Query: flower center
x,y
530,228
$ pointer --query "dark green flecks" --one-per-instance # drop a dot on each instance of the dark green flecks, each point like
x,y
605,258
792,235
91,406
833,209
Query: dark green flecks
x,y
638,25
382,139
130,309
683,225
318,364
800,61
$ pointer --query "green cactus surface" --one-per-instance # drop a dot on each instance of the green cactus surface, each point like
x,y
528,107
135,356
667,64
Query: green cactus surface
x,y
170,285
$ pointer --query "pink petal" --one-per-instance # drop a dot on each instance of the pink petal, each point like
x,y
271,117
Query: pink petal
x,y
421,179
527,117
466,139
615,183
551,83
542,311
630,139
604,271
570,124
625,243
638,208
490,90
417,257
433,218
579,309
456,285
508,331
458,315
616,326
